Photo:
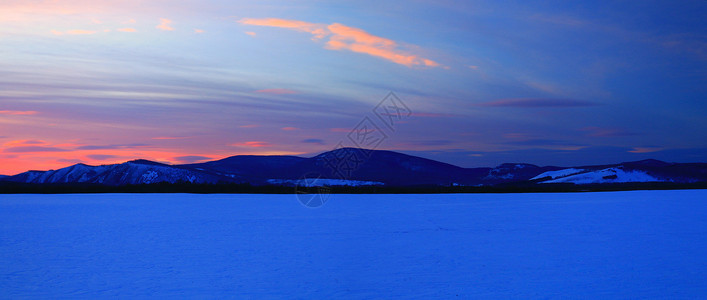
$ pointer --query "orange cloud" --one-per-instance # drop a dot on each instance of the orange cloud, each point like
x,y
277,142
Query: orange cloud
x,y
164,24
250,33
318,30
353,39
277,91
17,112
127,29
24,143
198,31
645,149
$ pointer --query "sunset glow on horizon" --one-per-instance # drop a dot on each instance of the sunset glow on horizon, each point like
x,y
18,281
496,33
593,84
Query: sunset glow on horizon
x,y
108,81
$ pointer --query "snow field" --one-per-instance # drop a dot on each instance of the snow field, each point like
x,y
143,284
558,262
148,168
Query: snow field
x,y
640,244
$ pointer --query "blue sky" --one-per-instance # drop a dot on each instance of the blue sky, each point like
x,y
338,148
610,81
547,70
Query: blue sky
x,y
487,82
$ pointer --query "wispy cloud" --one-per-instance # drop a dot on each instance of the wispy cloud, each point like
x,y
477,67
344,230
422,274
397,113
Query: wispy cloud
x,y
313,141
29,149
164,24
645,149
110,147
189,159
100,156
342,37
255,144
127,29
289,128
606,132
25,143
430,143
433,115
357,40
319,31
74,32
250,33
170,137
17,112
277,91
537,102
196,30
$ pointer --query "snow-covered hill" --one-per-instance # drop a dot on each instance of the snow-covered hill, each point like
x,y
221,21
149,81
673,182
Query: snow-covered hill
x,y
608,175
558,173
133,172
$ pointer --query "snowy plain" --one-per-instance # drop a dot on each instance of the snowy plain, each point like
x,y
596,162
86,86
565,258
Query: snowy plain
x,y
639,244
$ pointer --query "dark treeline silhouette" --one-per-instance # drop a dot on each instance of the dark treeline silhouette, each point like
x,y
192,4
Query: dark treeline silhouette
x,y
232,188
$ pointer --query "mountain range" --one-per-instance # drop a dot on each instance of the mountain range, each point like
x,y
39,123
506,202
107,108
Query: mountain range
x,y
355,167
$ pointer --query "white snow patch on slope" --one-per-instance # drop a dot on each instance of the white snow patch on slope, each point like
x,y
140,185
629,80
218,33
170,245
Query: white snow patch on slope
x,y
149,177
558,173
609,175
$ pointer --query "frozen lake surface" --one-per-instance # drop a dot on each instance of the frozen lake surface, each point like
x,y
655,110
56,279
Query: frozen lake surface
x,y
641,244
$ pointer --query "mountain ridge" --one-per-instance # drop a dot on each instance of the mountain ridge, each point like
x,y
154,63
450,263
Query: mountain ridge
x,y
354,165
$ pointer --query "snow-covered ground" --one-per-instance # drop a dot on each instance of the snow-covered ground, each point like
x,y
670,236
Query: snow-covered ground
x,y
641,244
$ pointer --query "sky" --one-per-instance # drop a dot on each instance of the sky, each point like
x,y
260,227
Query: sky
x,y
563,83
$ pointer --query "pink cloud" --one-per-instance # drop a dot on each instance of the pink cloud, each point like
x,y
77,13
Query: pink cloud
x,y
255,144
164,24
170,138
250,33
25,143
32,149
17,112
289,128
127,29
199,31
277,91
353,39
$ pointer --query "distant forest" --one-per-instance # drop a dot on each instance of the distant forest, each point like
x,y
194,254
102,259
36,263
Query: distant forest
x,y
230,188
